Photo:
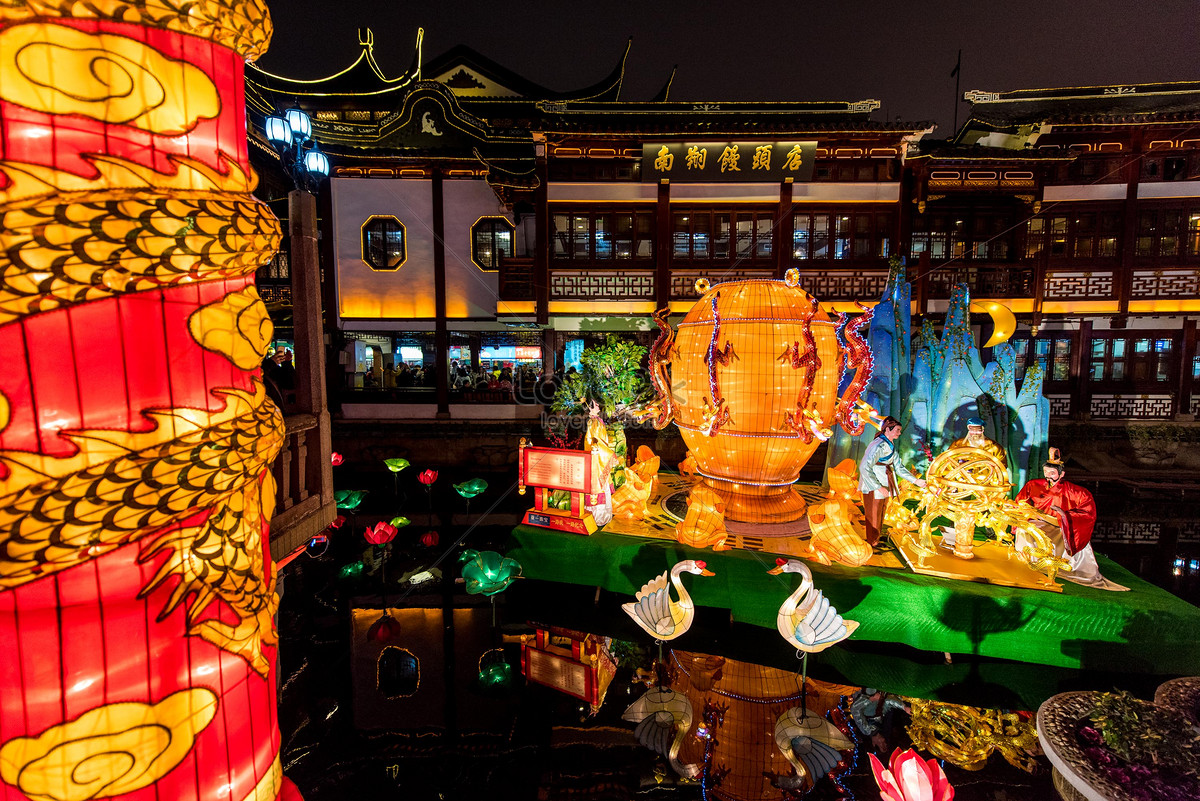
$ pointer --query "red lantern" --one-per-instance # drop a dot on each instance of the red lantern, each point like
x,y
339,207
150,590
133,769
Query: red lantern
x,y
337,522
336,458
384,630
429,539
428,477
133,422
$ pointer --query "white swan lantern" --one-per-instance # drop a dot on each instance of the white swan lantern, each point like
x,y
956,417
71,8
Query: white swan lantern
x,y
664,718
656,612
807,620
812,745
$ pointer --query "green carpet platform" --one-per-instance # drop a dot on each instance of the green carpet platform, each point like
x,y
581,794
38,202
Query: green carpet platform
x,y
1145,630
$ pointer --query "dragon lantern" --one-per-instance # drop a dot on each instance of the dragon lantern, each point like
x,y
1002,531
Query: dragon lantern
x,y
755,366
137,595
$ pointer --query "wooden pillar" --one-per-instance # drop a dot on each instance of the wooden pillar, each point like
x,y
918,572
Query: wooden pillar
x,y
1124,279
335,374
662,246
541,241
904,215
441,338
1187,353
1081,391
305,271
782,234
922,298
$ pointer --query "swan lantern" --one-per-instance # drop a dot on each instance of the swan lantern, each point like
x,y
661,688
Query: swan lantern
x,y
656,612
807,620
812,745
663,718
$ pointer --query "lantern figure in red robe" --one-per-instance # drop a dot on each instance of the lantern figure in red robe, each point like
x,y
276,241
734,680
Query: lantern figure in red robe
x,y
136,591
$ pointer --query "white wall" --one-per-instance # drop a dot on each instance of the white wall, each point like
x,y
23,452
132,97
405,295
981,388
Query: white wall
x,y
366,293
408,293
470,292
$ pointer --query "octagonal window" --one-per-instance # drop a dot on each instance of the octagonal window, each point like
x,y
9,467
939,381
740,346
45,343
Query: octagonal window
x,y
491,240
384,244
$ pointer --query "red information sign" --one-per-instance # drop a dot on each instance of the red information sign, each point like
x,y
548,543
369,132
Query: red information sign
x,y
557,469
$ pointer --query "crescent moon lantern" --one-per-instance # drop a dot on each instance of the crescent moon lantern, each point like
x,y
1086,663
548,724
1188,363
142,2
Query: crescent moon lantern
x,y
1004,324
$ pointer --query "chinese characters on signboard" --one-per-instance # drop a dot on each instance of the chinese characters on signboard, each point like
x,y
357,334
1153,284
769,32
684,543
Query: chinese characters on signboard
x,y
728,161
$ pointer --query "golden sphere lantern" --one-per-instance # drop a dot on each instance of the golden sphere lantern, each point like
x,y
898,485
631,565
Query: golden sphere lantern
x,y
755,366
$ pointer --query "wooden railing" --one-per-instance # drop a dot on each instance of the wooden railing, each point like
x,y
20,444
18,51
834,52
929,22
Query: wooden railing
x,y
303,506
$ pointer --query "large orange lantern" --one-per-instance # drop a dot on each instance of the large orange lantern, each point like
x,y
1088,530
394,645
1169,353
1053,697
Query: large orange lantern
x,y
755,367
137,597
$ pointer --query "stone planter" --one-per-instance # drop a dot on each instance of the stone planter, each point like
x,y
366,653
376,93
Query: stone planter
x,y
1075,778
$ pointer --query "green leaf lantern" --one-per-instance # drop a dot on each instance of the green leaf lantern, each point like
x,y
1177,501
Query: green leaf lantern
x,y
487,572
469,489
495,673
396,465
400,521
349,499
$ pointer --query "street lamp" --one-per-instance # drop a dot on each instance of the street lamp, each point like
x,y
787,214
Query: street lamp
x,y
291,136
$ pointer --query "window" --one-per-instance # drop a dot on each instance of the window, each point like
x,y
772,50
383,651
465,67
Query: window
x,y
1085,236
1051,351
1035,237
1193,234
703,235
1106,243
1162,232
1058,237
384,245
610,236
397,672
1141,359
841,239
491,241
810,236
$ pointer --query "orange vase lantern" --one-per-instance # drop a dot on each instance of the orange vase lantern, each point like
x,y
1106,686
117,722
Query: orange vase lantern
x,y
756,366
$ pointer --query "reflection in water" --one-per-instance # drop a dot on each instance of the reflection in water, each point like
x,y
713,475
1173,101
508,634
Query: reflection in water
x,y
748,729
966,735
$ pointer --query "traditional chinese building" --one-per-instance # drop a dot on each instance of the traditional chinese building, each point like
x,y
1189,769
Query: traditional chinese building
x,y
476,220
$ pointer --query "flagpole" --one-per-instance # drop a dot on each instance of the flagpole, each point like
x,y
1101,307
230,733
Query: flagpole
x,y
957,78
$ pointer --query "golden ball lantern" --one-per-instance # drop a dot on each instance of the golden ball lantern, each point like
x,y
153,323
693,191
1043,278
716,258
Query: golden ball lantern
x,y
755,367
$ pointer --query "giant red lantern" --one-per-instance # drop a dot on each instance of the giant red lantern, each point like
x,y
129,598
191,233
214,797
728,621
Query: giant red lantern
x,y
136,590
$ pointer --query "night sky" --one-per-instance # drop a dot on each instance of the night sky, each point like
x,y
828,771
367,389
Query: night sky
x,y
899,53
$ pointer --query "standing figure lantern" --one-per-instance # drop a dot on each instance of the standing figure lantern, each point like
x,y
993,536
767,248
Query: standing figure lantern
x,y
756,366
137,595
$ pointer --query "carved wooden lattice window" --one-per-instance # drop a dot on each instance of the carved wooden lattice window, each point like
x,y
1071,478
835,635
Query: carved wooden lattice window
x,y
491,240
384,244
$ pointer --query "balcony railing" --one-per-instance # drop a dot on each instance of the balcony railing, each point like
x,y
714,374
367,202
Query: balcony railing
x,y
301,508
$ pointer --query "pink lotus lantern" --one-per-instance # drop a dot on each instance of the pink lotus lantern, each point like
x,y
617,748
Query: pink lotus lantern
x,y
910,778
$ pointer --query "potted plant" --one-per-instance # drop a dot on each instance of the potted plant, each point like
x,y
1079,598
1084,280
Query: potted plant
x,y
611,385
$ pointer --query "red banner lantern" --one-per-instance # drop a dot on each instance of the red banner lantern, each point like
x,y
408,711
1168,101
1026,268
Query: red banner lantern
x,y
136,591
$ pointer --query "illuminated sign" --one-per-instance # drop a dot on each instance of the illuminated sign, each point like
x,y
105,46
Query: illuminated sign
x,y
707,162
557,469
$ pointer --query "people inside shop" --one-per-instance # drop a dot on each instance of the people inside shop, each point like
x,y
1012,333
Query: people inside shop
x,y
546,386
505,379
878,476
879,716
